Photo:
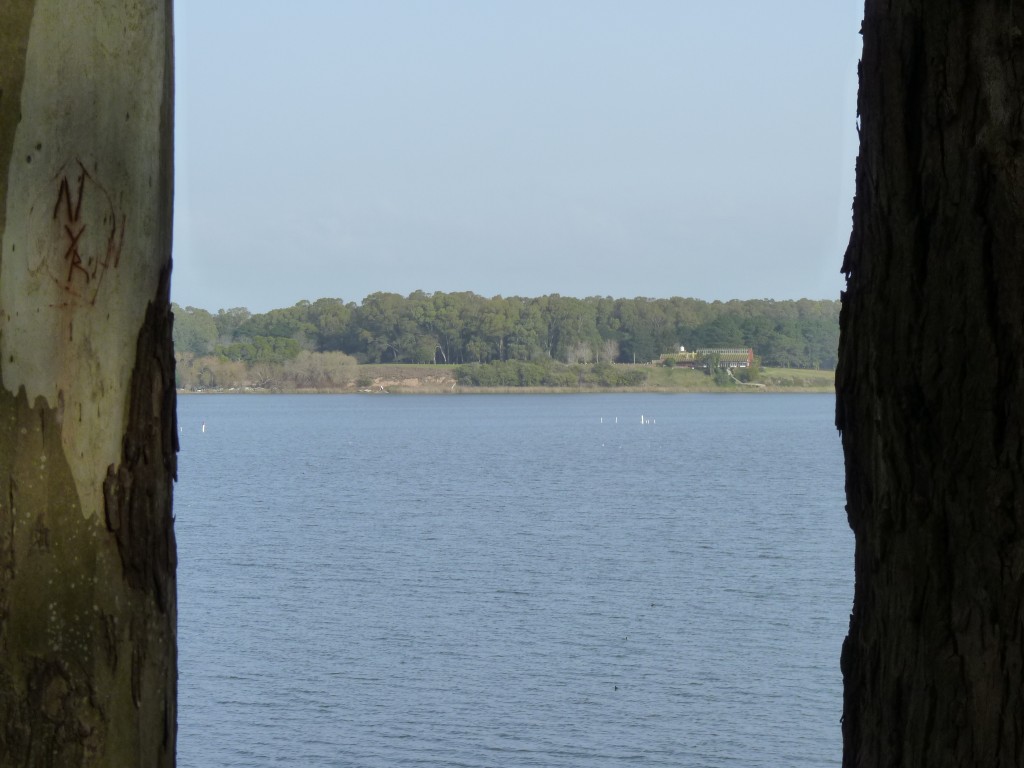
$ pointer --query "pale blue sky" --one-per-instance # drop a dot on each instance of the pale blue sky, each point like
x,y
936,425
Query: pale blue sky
x,y
515,147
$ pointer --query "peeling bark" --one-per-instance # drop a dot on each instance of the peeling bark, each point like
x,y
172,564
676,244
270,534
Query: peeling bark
x,y
930,389
87,413
137,496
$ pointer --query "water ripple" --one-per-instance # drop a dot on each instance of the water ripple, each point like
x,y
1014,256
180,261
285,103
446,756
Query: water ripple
x,y
511,581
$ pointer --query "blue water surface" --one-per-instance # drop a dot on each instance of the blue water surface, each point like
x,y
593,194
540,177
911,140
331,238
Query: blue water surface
x,y
565,580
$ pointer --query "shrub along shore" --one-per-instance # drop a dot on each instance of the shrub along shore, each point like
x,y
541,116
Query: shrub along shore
x,y
396,378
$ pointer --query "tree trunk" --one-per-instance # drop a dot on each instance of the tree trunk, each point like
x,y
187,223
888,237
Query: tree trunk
x,y
87,410
931,389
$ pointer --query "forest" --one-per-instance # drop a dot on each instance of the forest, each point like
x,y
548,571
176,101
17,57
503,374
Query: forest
x,y
460,328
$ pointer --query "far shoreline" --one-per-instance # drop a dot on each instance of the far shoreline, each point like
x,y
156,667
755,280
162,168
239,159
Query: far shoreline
x,y
403,379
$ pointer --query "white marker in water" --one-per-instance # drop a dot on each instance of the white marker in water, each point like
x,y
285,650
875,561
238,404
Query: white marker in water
x,y
204,427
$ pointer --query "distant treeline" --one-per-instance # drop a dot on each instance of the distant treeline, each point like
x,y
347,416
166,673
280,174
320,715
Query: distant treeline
x,y
459,328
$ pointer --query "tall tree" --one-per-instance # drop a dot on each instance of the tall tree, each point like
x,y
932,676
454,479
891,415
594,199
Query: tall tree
x,y
195,330
330,318
87,434
229,321
931,389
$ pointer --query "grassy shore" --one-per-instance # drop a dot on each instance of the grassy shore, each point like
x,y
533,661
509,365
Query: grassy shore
x,y
770,380
440,379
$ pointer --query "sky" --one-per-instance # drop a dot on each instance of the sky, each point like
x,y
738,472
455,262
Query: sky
x,y
336,148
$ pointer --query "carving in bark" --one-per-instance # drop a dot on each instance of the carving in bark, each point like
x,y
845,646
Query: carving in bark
x,y
930,389
87,424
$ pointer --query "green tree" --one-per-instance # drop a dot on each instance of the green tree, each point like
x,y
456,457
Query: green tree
x,y
456,327
228,322
498,322
330,319
571,322
287,323
448,326
262,349
529,333
751,373
639,331
722,331
195,330
382,336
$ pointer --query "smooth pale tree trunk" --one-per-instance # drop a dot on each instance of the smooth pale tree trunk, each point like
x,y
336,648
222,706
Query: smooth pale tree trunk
x,y
87,424
931,389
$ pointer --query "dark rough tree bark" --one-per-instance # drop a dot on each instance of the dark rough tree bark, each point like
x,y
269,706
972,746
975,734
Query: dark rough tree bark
x,y
931,389
87,424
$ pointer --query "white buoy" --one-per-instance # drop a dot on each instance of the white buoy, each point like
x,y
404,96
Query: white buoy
x,y
204,427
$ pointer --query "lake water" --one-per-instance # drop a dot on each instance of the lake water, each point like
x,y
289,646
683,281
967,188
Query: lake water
x,y
565,580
